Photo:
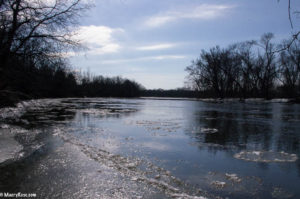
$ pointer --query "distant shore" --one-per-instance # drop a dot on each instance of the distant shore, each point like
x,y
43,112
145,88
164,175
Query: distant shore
x,y
11,99
219,100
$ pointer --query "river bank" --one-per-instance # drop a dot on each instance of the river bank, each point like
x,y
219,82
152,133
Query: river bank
x,y
11,98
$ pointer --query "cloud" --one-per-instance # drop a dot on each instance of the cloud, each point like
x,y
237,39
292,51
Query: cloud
x,y
203,12
168,57
156,47
162,57
98,39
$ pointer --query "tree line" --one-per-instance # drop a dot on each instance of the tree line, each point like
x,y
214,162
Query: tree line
x,y
56,79
248,69
34,37
180,92
99,86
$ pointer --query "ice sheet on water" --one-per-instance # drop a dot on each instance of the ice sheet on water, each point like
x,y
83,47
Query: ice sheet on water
x,y
22,107
280,100
155,176
93,111
157,125
9,147
229,183
17,142
256,100
266,156
107,111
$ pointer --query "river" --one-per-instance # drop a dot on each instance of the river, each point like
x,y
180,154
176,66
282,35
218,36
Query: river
x,y
150,148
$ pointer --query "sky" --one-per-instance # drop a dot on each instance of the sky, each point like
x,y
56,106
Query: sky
x,y
153,41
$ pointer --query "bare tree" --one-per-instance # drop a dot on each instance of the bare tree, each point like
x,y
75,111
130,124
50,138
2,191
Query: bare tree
x,y
217,70
196,76
290,69
248,80
266,65
248,69
206,72
295,32
35,27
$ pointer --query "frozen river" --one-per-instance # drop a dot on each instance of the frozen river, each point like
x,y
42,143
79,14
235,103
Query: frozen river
x,y
150,148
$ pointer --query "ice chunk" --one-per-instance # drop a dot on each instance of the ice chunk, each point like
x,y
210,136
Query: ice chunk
x,y
4,126
266,156
185,196
209,130
219,184
233,177
134,179
131,165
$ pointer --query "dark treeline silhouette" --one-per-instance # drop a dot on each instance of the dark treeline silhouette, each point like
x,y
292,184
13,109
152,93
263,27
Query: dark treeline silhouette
x,y
248,69
34,36
56,79
170,93
100,86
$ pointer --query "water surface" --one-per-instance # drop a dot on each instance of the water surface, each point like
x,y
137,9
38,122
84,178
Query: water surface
x,y
147,148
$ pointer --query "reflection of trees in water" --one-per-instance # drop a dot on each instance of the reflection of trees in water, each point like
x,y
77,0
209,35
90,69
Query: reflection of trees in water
x,y
107,109
89,111
46,117
70,109
268,127
254,126
288,138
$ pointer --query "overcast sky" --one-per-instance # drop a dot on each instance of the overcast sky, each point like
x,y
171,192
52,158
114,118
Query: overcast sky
x,y
152,41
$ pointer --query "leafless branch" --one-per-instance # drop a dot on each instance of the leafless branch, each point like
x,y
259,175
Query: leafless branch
x,y
289,11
